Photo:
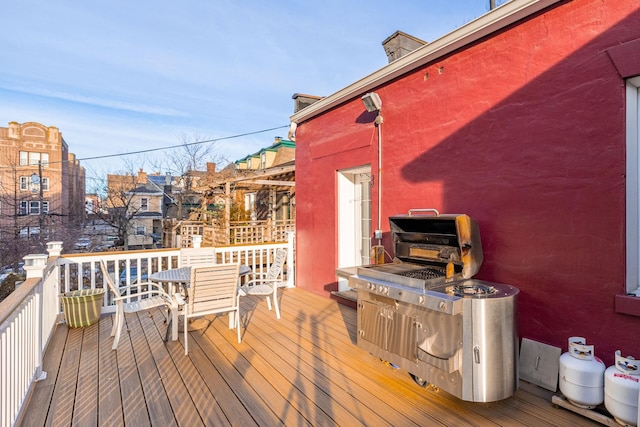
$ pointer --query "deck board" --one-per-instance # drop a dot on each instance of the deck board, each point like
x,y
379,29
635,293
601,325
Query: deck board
x,y
109,403
64,394
84,407
304,369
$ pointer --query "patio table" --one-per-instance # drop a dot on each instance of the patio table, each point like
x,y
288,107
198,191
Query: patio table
x,y
182,276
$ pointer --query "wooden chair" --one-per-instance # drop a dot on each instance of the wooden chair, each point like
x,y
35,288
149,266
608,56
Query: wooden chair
x,y
267,284
212,290
195,257
137,297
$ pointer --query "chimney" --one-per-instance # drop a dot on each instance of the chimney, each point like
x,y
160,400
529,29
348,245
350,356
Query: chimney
x,y
301,101
399,44
211,169
142,177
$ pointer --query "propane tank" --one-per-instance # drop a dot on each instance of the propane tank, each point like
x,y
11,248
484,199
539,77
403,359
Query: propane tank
x,y
581,374
621,389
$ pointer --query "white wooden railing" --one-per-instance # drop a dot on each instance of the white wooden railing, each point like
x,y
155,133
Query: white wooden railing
x,y
30,314
27,319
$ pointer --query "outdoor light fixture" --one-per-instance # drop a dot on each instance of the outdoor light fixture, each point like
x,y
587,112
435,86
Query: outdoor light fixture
x,y
372,102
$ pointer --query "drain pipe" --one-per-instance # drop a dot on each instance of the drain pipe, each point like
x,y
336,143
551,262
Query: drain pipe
x,y
372,102
378,233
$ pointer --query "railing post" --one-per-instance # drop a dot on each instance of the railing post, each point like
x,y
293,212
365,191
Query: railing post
x,y
291,272
54,248
34,267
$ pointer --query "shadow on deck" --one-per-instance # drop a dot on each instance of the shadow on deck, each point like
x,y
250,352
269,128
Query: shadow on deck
x,y
304,369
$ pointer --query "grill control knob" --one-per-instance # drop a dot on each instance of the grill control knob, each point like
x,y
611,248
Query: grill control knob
x,y
385,290
441,305
421,299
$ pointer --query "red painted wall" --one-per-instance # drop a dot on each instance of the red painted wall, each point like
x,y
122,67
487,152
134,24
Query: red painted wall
x,y
525,132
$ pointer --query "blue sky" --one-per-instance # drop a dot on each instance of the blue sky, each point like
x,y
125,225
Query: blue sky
x,y
123,76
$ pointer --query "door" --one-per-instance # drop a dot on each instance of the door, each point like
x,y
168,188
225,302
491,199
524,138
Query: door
x,y
354,219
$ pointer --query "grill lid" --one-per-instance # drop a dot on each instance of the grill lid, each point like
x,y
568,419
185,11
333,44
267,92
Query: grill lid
x,y
424,236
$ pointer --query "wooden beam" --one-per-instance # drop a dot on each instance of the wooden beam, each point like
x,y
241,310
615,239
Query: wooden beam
x,y
270,182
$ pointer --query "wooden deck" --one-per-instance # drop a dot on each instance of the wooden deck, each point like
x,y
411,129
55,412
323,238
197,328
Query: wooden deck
x,y
304,369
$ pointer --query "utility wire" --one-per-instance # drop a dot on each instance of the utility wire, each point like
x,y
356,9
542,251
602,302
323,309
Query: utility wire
x,y
182,145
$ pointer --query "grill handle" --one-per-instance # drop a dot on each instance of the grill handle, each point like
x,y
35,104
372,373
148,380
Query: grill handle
x,y
423,211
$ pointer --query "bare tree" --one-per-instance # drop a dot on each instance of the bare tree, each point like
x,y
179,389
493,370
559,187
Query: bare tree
x,y
118,194
187,164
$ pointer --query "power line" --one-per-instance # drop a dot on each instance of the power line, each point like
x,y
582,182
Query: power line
x,y
185,144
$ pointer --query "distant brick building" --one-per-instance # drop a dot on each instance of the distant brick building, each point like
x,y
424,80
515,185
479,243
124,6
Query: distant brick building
x,y
42,185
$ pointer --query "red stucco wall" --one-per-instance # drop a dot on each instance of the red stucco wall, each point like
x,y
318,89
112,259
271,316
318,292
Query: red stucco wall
x,y
524,132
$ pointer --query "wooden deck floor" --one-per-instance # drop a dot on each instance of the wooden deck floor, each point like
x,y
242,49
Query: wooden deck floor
x,y
304,369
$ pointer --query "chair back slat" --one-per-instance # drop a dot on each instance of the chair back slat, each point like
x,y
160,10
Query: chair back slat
x,y
275,269
213,288
107,277
193,257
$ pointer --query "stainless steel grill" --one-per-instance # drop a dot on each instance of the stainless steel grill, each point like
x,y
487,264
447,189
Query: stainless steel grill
x,y
426,314
426,273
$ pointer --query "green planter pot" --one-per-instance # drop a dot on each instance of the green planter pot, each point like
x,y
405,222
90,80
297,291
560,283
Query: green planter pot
x,y
83,307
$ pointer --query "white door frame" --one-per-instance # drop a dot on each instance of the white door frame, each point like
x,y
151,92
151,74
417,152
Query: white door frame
x,y
354,218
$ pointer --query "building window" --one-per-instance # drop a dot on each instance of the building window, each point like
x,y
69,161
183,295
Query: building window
x,y
633,186
141,230
30,158
24,182
34,158
144,204
27,232
33,207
